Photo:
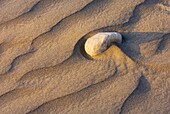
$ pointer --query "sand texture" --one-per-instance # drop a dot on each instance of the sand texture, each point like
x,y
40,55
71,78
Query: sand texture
x,y
44,68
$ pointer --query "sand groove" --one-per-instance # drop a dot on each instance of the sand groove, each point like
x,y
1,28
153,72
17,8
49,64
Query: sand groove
x,y
29,26
58,35
12,9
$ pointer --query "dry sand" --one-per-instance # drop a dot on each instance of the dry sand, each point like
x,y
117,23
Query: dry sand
x,y
44,68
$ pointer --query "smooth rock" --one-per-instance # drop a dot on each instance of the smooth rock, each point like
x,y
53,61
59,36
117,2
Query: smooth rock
x,y
101,41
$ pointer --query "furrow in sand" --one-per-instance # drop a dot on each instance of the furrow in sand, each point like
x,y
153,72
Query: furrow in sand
x,y
101,97
50,83
11,9
135,17
31,48
18,34
141,88
66,35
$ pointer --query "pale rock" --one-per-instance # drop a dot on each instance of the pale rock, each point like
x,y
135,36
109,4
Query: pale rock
x,y
101,41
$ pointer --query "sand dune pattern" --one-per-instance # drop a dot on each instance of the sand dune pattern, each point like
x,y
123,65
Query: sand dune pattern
x,y
44,67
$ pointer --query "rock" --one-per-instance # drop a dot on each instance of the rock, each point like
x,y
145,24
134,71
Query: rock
x,y
101,41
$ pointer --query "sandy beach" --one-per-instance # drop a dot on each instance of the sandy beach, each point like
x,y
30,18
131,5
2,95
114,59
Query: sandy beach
x,y
45,69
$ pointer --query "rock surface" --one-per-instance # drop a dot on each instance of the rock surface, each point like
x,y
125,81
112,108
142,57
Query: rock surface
x,y
44,70
98,43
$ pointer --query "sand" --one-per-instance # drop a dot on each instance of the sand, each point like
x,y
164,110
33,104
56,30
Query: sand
x,y
44,68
